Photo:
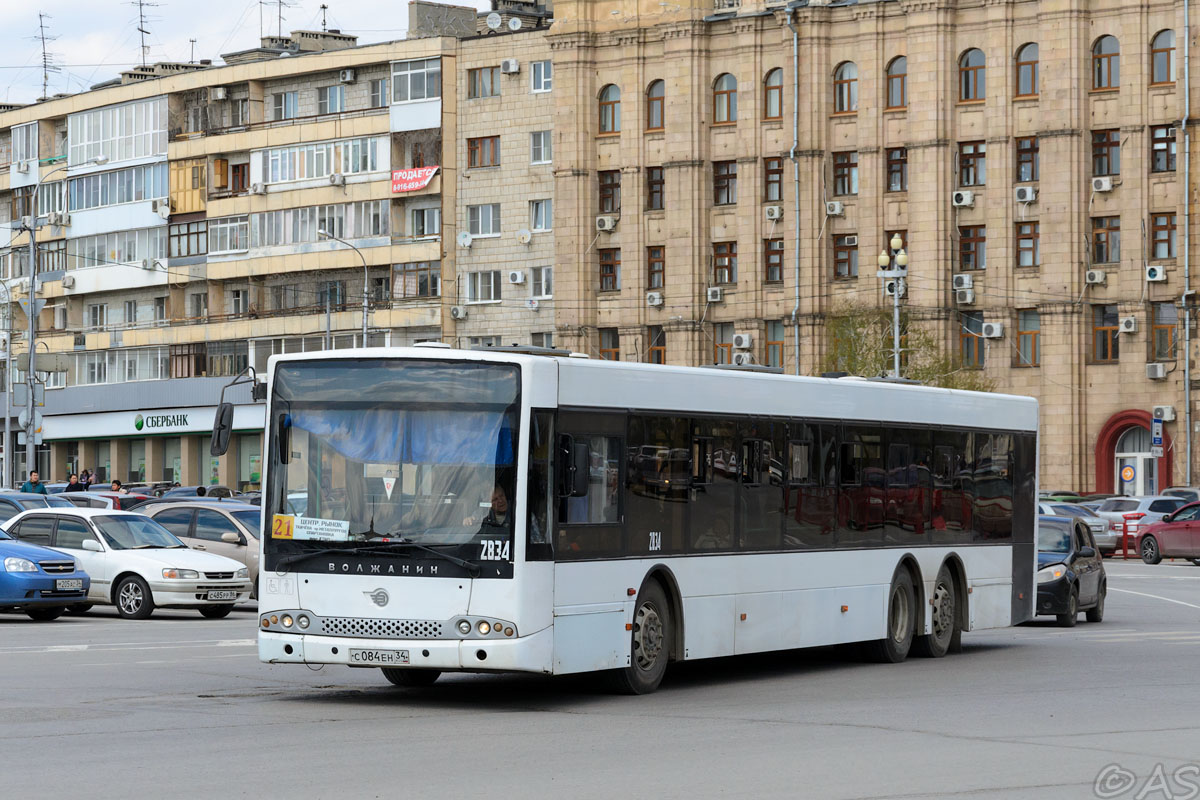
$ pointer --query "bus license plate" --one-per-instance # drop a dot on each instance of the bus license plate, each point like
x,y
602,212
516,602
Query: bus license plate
x,y
381,658
69,584
222,594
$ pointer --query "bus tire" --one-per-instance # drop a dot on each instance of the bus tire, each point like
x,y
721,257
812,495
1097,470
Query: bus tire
x,y
902,603
944,600
411,677
649,643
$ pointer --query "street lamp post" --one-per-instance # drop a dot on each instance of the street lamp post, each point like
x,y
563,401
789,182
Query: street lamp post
x,y
366,280
897,273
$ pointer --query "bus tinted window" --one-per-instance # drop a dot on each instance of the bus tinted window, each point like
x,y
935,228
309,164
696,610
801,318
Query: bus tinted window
x,y
715,465
862,487
810,503
760,521
657,479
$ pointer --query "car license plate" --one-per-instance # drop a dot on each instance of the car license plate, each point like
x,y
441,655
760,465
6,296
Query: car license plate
x,y
222,595
381,658
69,584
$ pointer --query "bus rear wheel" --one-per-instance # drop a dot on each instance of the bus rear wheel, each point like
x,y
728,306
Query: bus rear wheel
x,y
649,643
893,648
945,617
411,677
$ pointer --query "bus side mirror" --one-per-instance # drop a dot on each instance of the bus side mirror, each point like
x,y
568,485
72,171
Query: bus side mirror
x,y
222,430
572,468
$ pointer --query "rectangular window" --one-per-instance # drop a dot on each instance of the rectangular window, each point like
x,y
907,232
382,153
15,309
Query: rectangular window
x,y
1162,148
773,170
239,112
1029,345
331,99
51,198
1105,334
483,151
418,279
539,147
1028,249
483,82
239,301
845,256
773,260
286,297
1106,152
379,93
130,185
723,343
97,316
426,222
284,105
774,343
610,348
724,183
724,262
25,142
484,220
1106,240
1027,159
125,247
656,345
897,169
541,215
160,309
970,339
542,283
309,161
483,287
239,178
542,339
1162,332
52,256
655,184
332,294
1162,235
610,191
199,305
420,79
119,133
187,239
229,235
542,74
845,173
972,163
972,247
656,267
610,269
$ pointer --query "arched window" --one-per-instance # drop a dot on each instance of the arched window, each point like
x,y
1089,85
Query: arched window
x,y
1162,58
972,75
897,83
1106,63
725,100
655,96
610,109
845,88
773,109
1027,71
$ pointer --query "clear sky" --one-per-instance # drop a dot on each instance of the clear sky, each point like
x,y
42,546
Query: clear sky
x,y
99,38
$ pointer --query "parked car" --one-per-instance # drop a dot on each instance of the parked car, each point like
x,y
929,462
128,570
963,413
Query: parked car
x,y
135,563
1061,497
13,503
224,527
1189,493
122,502
1106,538
39,581
56,487
216,490
1177,535
1070,575
1138,510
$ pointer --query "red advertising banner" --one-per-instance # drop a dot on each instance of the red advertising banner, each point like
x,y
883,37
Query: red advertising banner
x,y
412,180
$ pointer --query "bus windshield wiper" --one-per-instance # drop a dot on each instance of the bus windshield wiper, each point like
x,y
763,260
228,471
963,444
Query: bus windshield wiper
x,y
471,567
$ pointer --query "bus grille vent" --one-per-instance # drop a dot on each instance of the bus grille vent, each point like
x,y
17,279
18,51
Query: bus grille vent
x,y
381,628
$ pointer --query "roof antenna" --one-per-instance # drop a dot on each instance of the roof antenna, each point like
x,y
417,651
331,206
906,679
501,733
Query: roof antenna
x,y
48,65
193,58
324,8
142,5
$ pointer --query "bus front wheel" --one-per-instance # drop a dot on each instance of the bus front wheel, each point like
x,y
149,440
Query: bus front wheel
x,y
945,617
411,677
649,643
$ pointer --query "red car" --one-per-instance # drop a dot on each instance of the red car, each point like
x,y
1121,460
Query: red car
x,y
1177,535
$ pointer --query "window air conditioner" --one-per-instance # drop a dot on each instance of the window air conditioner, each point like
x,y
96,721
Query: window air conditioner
x,y
1165,413
1094,277
773,213
963,282
654,299
963,199
743,359
1128,324
1158,372
337,179
346,76
516,276
1156,273
834,208
1025,194
510,66
68,281
606,223
458,312
964,297
993,330
743,341
1103,184
715,294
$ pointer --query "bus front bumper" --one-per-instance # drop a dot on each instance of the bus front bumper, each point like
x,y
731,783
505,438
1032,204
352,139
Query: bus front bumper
x,y
532,653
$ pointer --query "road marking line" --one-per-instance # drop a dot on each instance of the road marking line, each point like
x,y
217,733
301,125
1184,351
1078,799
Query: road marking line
x,y
1158,597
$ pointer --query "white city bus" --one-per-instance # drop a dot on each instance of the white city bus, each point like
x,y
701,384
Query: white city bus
x,y
431,510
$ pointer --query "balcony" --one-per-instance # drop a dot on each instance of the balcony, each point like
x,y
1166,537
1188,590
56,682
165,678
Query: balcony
x,y
181,136
727,5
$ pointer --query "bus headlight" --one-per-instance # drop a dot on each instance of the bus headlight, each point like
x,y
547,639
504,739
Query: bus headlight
x,y
464,627
485,627
302,621
286,619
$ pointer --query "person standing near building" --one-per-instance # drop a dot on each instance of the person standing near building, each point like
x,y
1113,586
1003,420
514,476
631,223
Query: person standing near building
x,y
34,485
74,485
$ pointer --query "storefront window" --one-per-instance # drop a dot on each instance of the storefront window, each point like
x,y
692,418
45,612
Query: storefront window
x,y
172,459
103,462
137,460
249,461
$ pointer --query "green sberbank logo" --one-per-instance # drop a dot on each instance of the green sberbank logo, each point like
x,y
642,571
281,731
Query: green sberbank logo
x,y
156,421
138,422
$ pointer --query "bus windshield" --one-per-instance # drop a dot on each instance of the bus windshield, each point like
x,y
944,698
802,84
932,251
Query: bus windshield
x,y
374,450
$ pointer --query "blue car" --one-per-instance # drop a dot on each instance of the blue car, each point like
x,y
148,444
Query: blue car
x,y
39,581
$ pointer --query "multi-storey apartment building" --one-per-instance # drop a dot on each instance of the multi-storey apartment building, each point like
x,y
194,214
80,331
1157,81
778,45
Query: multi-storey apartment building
x,y
711,183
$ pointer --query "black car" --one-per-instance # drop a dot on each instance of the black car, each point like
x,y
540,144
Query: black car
x,y
1070,575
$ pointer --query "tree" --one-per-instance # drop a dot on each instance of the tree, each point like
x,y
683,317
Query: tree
x,y
859,341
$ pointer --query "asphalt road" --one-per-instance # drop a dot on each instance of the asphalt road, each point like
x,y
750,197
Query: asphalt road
x,y
179,707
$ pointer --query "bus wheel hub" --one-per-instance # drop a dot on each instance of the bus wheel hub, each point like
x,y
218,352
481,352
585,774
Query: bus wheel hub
x,y
647,636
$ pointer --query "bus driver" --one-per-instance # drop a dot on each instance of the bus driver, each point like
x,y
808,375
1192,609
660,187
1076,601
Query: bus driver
x,y
497,516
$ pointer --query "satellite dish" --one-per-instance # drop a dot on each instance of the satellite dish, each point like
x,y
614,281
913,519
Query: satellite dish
x,y
493,21
464,239
514,24
524,236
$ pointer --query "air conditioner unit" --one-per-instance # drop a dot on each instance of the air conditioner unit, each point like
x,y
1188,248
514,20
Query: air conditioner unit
x,y
149,264
218,93
743,341
964,297
850,241
890,287
743,359
60,218
1158,372
773,213
993,330
1025,194
68,281
834,208
715,294
963,282
458,312
654,299
1128,324
258,188
1165,413
606,223
1094,276
1156,273
510,66
963,199
516,276
22,166
337,179
1103,184
347,76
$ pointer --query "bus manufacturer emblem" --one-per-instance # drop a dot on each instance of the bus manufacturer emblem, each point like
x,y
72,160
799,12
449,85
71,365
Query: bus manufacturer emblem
x,y
379,597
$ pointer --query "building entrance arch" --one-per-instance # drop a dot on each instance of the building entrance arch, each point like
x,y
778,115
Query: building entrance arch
x,y
1123,446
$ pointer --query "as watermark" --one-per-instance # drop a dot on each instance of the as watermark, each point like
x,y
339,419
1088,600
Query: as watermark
x,y
1180,783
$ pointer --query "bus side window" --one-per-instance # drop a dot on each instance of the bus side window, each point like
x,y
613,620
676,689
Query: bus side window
x,y
541,486
600,507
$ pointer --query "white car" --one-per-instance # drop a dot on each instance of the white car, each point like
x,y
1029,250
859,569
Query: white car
x,y
135,563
